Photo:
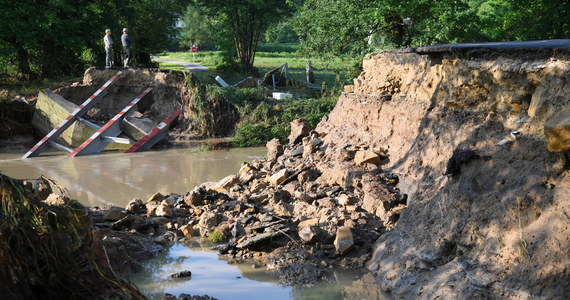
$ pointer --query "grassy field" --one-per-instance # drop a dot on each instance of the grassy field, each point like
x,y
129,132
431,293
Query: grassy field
x,y
335,72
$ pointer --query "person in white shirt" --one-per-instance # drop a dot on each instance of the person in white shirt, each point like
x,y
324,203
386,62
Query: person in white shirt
x,y
108,48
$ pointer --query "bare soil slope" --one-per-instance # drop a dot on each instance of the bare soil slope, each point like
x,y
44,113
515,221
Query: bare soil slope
x,y
498,228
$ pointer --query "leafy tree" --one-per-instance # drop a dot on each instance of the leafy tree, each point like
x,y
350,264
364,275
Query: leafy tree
x,y
246,21
200,29
335,27
282,32
332,27
46,38
536,19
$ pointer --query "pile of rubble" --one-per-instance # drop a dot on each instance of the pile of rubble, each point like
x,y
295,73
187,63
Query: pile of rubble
x,y
304,209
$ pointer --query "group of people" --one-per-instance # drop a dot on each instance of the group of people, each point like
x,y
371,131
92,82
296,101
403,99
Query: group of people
x,y
125,40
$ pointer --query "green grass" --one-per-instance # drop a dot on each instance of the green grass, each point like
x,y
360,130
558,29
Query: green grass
x,y
14,86
333,72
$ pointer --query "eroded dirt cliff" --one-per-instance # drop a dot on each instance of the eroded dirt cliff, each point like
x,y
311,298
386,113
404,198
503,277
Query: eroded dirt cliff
x,y
498,228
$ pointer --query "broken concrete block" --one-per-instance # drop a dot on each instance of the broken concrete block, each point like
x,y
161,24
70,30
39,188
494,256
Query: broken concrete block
x,y
364,157
557,131
136,128
278,177
344,241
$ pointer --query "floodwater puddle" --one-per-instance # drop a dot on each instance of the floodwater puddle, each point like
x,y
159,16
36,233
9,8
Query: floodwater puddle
x,y
213,275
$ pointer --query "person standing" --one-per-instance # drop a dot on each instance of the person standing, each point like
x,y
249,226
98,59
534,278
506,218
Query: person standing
x,y
126,40
108,48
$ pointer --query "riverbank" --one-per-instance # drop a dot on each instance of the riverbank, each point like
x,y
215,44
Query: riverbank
x,y
274,211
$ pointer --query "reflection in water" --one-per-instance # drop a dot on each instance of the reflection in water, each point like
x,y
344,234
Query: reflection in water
x,y
117,178
212,275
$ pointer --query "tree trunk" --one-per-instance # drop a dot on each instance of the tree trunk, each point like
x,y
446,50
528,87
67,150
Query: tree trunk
x,y
23,59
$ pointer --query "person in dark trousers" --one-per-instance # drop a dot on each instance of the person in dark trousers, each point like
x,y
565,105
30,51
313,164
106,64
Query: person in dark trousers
x,y
108,48
126,40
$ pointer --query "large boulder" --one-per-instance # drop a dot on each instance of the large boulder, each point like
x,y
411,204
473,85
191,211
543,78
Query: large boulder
x,y
557,131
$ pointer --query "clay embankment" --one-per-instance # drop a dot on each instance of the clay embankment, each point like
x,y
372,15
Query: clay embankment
x,y
498,228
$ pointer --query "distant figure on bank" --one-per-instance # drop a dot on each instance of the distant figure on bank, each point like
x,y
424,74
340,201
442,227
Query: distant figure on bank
x,y
108,48
126,40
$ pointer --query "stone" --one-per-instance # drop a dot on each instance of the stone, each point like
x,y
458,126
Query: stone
x,y
344,200
225,185
136,206
278,177
114,214
344,241
557,131
168,296
54,199
349,88
193,198
163,210
309,234
316,141
208,220
172,199
537,101
245,168
361,158
299,129
155,198
298,151
280,196
274,149
309,222
284,209
308,147
182,274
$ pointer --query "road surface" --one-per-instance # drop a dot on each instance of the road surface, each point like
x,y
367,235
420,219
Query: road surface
x,y
186,65
522,45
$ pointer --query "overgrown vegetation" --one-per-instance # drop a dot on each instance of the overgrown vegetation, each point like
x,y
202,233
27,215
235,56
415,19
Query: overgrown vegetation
x,y
51,251
216,111
215,237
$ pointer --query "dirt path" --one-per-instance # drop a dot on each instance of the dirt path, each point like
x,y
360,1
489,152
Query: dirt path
x,y
186,65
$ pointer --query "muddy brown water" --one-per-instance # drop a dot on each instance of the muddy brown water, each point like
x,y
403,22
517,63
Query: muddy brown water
x,y
116,178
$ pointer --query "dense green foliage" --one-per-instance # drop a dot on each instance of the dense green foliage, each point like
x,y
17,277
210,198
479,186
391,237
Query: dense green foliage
x,y
61,38
329,28
271,119
52,38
